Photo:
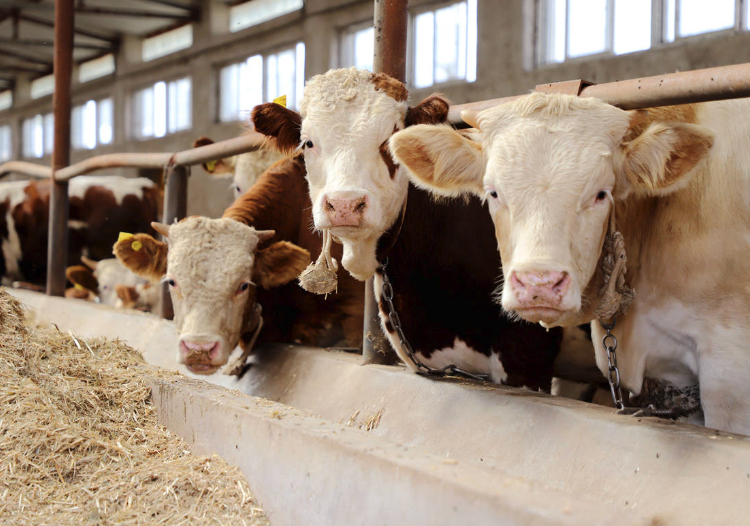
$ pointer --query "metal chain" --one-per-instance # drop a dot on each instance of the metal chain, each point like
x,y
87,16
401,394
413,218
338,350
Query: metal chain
x,y
452,369
613,373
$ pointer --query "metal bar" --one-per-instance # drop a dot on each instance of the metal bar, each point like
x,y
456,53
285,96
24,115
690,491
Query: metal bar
x,y
47,43
702,85
175,208
57,248
26,58
391,18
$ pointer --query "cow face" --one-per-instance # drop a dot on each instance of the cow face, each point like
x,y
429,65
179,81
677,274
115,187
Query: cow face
x,y
550,167
346,119
212,267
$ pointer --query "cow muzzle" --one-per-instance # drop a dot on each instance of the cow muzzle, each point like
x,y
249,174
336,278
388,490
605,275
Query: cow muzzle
x,y
201,355
539,295
345,209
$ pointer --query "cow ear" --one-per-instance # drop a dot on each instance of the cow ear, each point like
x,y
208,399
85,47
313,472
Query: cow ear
x,y
143,255
661,159
279,264
280,125
82,277
128,295
218,167
432,110
440,159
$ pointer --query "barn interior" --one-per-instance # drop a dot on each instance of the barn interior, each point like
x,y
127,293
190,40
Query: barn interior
x,y
321,439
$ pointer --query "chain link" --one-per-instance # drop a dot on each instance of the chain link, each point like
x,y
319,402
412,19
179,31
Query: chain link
x,y
613,373
452,369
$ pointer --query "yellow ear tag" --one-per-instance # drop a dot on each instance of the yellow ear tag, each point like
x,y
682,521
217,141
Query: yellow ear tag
x,y
281,101
77,286
136,245
123,236
211,166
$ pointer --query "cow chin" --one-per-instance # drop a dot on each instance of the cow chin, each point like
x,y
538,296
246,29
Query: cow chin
x,y
359,257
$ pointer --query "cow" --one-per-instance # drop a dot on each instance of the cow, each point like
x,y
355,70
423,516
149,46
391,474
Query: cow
x,y
438,254
110,283
100,207
220,269
561,175
245,168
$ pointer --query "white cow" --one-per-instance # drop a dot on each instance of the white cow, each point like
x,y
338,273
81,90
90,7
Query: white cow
x,y
552,169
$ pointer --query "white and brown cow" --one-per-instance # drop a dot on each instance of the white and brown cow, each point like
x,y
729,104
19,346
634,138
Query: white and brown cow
x,y
100,207
437,253
214,265
553,168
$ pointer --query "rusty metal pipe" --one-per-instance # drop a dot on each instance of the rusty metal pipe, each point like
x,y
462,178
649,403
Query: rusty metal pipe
x,y
57,247
701,85
391,23
391,20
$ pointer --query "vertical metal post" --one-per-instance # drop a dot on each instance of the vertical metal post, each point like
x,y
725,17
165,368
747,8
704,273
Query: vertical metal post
x,y
57,246
391,19
175,208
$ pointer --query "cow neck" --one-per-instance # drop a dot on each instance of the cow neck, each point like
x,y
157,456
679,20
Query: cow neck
x,y
387,241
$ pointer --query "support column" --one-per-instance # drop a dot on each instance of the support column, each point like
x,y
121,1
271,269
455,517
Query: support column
x,y
175,208
391,21
57,246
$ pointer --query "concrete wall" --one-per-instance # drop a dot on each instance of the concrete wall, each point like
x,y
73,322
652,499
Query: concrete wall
x,y
505,67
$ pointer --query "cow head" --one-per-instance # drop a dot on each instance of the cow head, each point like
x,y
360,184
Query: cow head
x,y
346,119
550,168
245,168
212,267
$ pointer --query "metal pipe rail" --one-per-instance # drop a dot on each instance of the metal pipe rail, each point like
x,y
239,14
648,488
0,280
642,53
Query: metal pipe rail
x,y
701,85
247,142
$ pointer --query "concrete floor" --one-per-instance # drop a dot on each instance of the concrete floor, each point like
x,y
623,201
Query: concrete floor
x,y
333,442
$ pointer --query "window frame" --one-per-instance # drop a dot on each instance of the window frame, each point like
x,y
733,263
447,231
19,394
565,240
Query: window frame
x,y
25,153
411,46
265,95
658,31
98,114
135,117
349,31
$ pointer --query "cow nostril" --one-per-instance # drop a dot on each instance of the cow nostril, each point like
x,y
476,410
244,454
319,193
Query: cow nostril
x,y
361,207
562,282
329,206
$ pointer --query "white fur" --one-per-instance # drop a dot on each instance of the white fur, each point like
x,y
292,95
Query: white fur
x,y
119,186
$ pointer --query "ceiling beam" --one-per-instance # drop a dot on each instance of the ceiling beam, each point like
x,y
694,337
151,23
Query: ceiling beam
x,y
13,54
78,31
133,13
19,69
176,5
49,43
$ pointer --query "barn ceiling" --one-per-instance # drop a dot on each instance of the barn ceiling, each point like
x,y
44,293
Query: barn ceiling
x,y
27,32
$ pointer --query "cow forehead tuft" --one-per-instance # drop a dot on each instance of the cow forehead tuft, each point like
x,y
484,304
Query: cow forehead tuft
x,y
201,233
335,88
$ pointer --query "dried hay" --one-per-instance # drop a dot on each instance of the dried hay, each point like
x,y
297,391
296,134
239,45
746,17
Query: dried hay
x,y
80,443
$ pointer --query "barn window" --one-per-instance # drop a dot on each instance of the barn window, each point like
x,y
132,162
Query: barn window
x,y
91,124
161,109
97,68
357,46
261,78
42,87
38,135
252,13
167,43
6,144
445,44
569,29
6,99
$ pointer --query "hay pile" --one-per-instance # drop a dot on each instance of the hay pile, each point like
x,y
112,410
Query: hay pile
x,y
80,444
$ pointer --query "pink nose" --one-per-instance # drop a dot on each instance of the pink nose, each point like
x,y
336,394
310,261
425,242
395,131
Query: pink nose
x,y
540,288
195,352
345,211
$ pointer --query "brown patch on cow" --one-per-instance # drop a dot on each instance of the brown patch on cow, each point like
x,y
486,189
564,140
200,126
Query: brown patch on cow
x,y
385,154
279,124
83,277
432,110
149,261
128,295
279,264
390,86
79,294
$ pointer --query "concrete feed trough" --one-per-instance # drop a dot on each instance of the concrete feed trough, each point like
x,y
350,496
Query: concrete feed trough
x,y
323,440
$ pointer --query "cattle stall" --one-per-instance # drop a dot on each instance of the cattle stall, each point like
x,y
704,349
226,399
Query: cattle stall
x,y
323,440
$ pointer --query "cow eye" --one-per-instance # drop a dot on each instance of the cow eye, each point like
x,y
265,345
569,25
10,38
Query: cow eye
x,y
172,283
308,144
237,189
602,195
493,194
243,287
